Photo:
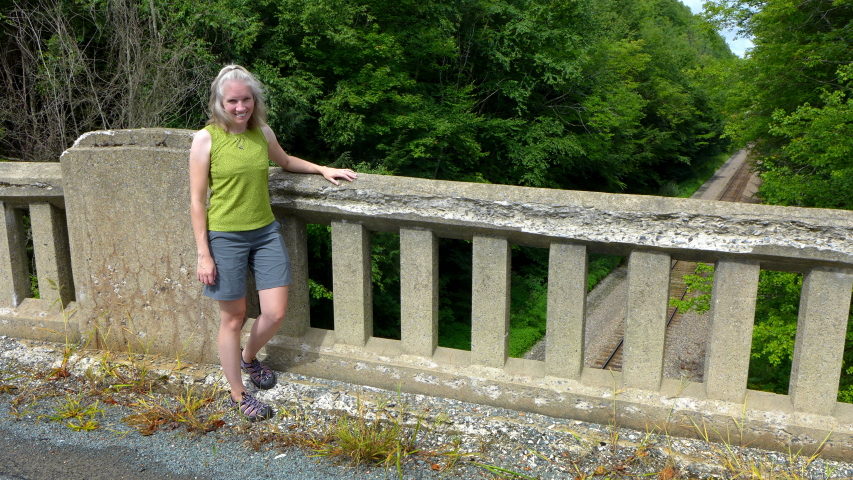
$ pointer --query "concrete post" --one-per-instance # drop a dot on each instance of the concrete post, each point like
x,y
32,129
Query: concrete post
x,y
645,325
53,260
298,318
352,283
14,271
819,344
419,291
567,271
730,338
133,251
490,301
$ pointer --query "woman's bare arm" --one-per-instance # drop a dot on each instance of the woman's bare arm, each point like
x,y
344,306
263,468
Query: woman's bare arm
x,y
199,171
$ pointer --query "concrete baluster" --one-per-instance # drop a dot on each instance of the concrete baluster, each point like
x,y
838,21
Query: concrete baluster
x,y
419,291
53,259
14,272
730,338
567,271
819,344
645,325
298,317
490,301
351,283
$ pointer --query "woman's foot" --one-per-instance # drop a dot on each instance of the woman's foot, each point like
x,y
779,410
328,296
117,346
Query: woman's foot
x,y
251,408
259,374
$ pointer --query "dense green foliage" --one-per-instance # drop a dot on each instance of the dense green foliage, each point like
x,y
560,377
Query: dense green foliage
x,y
794,107
614,95
774,333
794,100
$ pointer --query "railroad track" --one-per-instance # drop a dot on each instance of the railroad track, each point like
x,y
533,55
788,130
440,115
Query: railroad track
x,y
611,356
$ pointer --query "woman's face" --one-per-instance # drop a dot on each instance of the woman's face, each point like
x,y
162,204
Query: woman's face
x,y
239,103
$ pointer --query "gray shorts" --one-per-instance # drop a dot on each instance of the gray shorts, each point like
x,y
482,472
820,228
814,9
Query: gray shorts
x,y
261,250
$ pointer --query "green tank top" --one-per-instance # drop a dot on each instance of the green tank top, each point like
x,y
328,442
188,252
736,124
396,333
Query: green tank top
x,y
238,181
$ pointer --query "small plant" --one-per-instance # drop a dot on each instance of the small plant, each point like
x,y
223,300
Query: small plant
x,y
361,440
77,414
734,458
7,376
195,408
179,364
69,348
697,298
133,370
194,413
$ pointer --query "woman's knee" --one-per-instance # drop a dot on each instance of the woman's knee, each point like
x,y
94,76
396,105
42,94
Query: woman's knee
x,y
274,315
274,304
232,314
232,323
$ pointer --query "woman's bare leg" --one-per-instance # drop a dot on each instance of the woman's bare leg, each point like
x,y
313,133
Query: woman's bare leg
x,y
273,308
231,315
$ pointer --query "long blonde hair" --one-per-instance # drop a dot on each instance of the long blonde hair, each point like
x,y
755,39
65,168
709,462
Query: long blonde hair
x,y
218,115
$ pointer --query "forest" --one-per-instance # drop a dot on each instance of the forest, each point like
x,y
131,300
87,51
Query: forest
x,y
626,96
793,108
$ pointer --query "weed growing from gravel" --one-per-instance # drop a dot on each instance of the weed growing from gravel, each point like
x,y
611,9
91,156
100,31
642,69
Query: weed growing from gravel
x,y
501,472
362,440
732,456
77,413
198,409
7,376
382,439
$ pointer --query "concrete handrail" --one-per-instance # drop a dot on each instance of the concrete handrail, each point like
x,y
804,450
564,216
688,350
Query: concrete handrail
x,y
784,238
132,250
37,189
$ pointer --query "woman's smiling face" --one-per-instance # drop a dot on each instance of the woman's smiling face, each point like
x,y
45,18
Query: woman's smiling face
x,y
239,103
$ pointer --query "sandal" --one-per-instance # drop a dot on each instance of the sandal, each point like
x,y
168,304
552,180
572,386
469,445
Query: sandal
x,y
259,374
251,408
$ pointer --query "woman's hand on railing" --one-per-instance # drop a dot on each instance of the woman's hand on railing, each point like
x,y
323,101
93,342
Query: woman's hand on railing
x,y
343,173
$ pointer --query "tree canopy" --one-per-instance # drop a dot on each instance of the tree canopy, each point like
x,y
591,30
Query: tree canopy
x,y
615,95
605,95
793,106
794,100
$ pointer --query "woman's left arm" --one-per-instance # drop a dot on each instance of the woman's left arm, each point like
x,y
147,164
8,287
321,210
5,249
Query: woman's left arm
x,y
297,165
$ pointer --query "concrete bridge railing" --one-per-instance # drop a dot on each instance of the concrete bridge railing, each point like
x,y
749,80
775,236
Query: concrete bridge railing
x,y
124,196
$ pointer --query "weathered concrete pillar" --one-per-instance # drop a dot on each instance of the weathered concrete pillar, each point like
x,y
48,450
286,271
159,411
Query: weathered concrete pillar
x,y
645,325
567,271
298,317
490,301
819,344
730,338
14,272
419,291
53,260
133,252
351,283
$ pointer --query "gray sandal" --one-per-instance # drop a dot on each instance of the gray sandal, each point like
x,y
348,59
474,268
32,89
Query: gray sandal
x,y
251,408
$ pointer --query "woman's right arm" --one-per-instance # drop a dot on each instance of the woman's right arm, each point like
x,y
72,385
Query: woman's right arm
x,y
199,171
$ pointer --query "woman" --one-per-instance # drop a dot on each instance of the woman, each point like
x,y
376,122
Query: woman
x,y
230,155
